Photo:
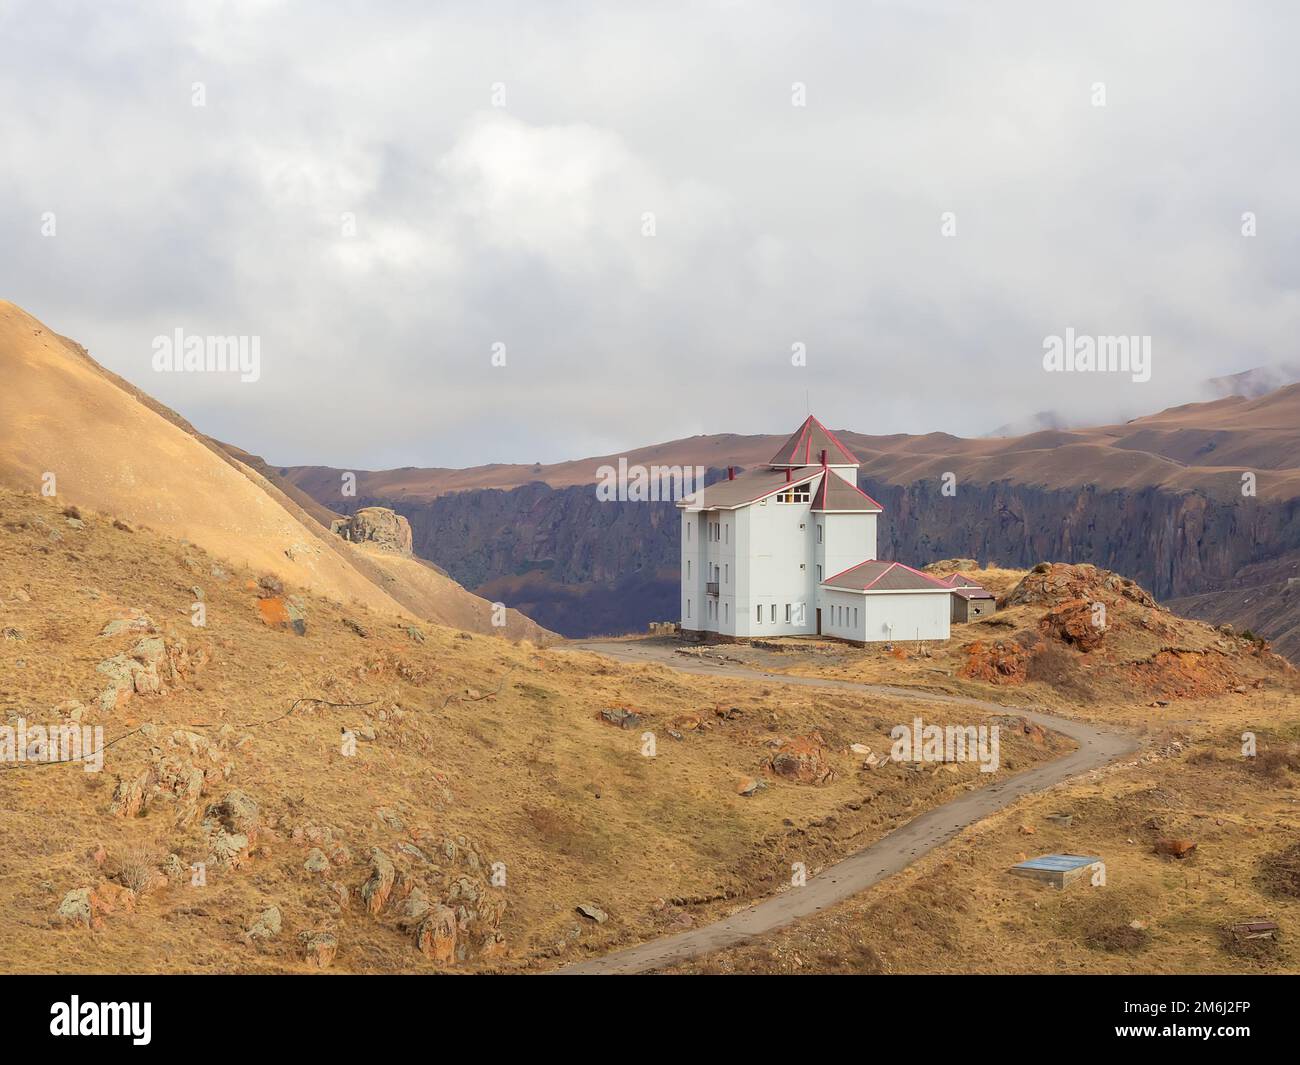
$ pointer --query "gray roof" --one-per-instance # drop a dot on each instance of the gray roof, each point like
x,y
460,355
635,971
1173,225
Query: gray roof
x,y
880,576
965,587
746,488
973,591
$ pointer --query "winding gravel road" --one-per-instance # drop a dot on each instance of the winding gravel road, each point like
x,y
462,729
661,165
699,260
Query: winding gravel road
x,y
883,858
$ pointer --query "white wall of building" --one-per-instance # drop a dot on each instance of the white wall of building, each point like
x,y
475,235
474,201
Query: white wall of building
x,y
692,569
847,539
868,616
778,577
767,555
907,615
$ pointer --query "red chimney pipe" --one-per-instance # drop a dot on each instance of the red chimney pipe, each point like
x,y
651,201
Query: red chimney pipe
x,y
823,456
731,473
787,475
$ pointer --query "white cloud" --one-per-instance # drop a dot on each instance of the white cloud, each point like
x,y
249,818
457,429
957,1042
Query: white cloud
x,y
773,224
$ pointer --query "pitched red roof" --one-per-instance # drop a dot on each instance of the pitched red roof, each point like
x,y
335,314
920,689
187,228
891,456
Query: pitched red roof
x,y
836,494
805,447
747,488
876,575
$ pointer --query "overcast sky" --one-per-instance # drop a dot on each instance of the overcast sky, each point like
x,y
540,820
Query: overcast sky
x,y
525,224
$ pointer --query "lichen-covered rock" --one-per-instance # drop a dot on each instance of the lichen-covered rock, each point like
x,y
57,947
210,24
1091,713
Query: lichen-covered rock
x,y
236,812
77,908
128,797
147,669
265,926
1074,622
319,948
379,885
436,935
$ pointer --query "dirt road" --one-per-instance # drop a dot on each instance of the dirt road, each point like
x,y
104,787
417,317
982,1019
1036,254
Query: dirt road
x,y
873,864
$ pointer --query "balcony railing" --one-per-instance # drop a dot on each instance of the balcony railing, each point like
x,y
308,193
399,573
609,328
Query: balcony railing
x,y
711,588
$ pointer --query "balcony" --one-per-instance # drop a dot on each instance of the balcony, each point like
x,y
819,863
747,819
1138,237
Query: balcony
x,y
711,588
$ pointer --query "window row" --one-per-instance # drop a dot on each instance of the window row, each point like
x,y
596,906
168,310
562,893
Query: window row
x,y
840,616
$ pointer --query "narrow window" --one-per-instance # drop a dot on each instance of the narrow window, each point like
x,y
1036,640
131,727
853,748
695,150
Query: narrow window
x,y
688,569
773,613
688,608
726,573
728,532
759,613
787,613
819,574
819,533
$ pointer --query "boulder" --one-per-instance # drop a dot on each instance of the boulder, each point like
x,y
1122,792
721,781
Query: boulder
x,y
376,525
436,935
316,861
592,912
1175,848
620,717
265,926
78,908
379,885
319,948
804,759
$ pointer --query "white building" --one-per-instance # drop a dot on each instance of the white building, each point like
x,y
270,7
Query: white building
x,y
791,550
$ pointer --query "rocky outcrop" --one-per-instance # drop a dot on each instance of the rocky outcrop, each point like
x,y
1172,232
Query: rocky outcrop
x,y
1074,622
1056,583
151,667
87,906
379,885
376,525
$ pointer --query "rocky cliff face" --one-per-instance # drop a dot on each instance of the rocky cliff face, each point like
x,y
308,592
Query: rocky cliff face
x,y
1176,544
584,567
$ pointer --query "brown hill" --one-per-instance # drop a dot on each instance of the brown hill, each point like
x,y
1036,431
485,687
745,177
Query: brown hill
x,y
427,771
102,444
1202,446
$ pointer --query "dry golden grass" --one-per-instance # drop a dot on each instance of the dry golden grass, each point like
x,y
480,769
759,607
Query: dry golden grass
x,y
959,910
530,776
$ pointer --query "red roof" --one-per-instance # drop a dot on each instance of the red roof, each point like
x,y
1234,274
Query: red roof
x,y
876,575
836,494
805,447
747,488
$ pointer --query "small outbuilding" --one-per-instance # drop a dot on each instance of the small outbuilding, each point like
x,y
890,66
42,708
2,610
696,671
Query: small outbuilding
x,y
970,600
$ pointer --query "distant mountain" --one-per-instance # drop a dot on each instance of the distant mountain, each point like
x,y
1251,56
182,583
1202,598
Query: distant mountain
x,y
1159,498
1256,382
1044,419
